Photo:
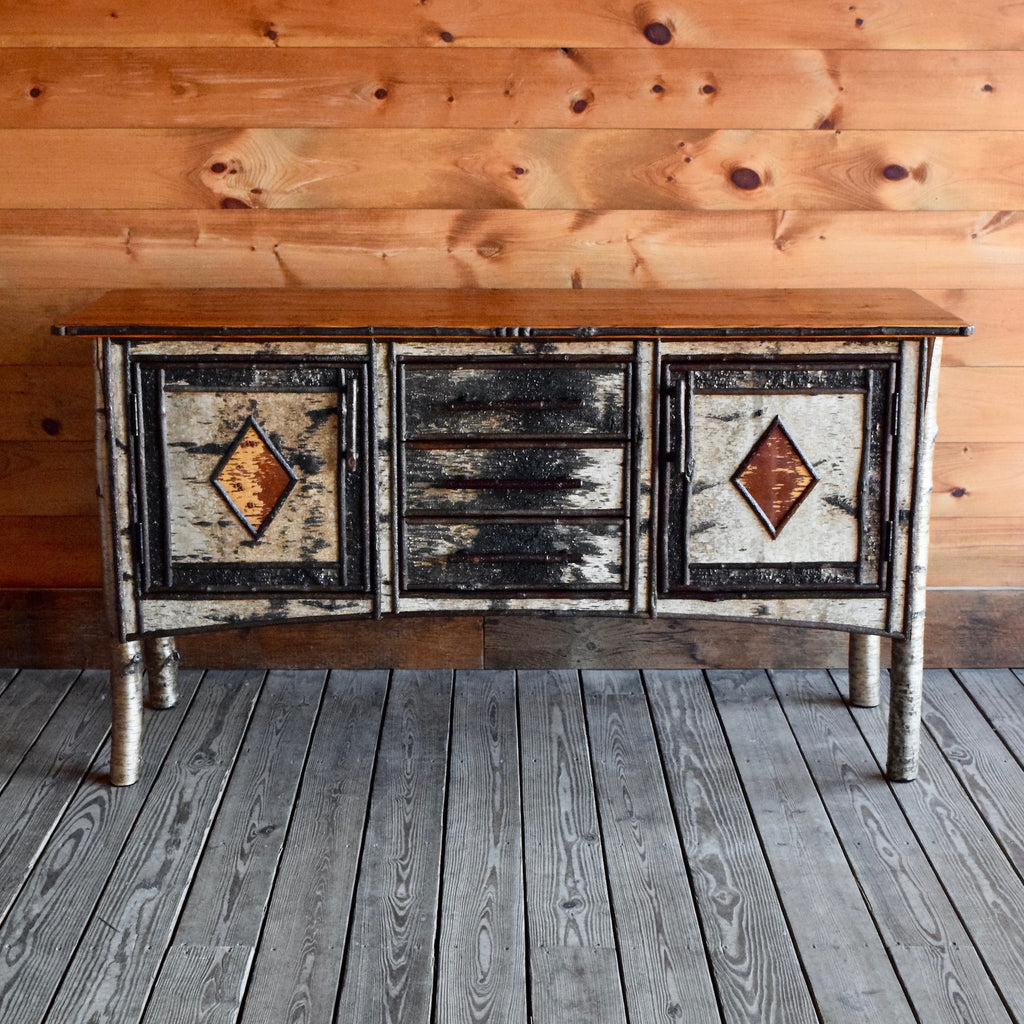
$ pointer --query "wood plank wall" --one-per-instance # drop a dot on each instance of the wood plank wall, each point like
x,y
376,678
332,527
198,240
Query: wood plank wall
x,y
449,143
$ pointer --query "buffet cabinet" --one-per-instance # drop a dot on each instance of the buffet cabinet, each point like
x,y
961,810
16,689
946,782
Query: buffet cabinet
x,y
283,455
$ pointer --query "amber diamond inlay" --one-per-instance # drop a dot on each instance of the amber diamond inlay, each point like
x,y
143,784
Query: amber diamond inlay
x,y
253,478
775,477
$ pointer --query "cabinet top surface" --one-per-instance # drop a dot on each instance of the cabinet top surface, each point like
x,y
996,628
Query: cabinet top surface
x,y
296,311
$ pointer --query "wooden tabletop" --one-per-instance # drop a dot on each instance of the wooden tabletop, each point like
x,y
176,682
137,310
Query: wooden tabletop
x,y
287,310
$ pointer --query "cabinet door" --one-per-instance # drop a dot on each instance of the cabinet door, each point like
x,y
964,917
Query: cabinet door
x,y
776,476
252,476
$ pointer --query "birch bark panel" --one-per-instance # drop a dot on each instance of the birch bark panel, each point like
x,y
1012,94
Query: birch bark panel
x,y
200,430
828,430
773,23
510,87
557,169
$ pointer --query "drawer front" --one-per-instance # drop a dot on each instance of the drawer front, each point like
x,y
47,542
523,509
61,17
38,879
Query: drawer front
x,y
252,477
495,399
515,555
776,479
514,474
489,481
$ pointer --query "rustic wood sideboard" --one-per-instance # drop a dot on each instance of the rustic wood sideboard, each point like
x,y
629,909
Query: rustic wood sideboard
x,y
272,455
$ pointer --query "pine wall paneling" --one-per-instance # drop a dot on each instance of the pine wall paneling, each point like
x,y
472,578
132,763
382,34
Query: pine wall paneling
x,y
463,145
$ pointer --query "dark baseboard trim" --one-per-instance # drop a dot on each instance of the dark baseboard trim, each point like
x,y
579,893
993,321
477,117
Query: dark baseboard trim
x,y
66,629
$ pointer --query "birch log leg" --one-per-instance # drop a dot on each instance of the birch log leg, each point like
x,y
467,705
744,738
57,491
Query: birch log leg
x,y
864,673
126,713
908,653
162,669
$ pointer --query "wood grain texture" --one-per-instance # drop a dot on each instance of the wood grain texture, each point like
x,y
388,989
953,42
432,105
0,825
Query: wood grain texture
x,y
30,699
45,783
482,943
572,959
296,972
774,23
851,981
981,883
978,479
757,973
136,915
944,975
509,87
389,962
655,916
50,916
510,248
556,169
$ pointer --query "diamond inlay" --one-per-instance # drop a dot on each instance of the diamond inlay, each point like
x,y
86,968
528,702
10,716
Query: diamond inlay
x,y
774,477
253,478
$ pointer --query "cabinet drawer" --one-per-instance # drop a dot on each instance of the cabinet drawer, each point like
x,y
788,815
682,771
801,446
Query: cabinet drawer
x,y
494,398
506,481
510,555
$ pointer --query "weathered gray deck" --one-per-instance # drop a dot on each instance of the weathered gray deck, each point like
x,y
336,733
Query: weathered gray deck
x,y
552,847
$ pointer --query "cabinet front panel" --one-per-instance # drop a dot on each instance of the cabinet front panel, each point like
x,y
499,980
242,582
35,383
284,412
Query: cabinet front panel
x,y
252,476
522,556
776,479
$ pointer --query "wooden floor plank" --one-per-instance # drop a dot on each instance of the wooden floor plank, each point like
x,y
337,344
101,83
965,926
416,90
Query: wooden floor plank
x,y
48,778
52,912
851,977
227,904
573,962
208,985
30,700
297,969
6,675
756,969
482,952
113,970
981,761
940,968
999,693
664,964
389,974
983,886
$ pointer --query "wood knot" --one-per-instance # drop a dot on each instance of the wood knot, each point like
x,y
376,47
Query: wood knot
x,y
895,172
381,94
745,178
658,32
35,92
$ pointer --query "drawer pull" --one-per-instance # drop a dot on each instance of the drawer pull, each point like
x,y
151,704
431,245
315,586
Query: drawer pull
x,y
541,557
461,483
506,404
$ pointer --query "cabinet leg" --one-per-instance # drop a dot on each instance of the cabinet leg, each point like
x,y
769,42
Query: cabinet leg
x,y
864,674
905,707
162,669
126,713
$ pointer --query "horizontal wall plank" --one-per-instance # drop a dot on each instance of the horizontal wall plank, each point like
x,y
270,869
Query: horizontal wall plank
x,y
981,404
998,317
509,249
913,24
39,402
555,169
512,87
50,551
41,478
971,551
978,480
54,628
25,318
